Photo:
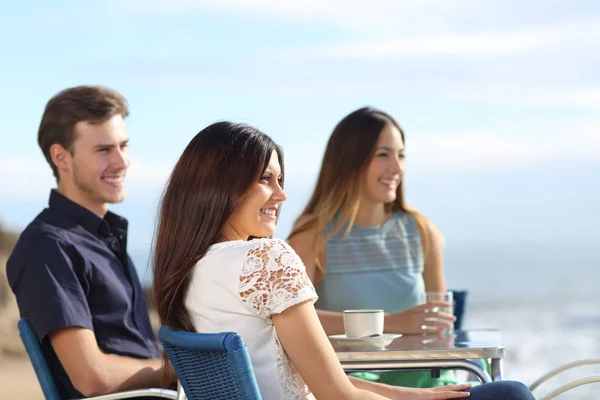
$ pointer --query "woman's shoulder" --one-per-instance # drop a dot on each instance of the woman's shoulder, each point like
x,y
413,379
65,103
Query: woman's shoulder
x,y
413,216
247,246
271,253
270,247
268,242
409,218
304,231
304,225
414,219
251,255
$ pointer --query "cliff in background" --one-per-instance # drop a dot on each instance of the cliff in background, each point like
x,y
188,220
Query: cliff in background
x,y
10,343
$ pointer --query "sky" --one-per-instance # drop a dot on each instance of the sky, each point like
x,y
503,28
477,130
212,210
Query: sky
x,y
499,100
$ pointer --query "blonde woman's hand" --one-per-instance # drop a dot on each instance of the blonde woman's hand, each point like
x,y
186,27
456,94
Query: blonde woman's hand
x,y
424,319
438,393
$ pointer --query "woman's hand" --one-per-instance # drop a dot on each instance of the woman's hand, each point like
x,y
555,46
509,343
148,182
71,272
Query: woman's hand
x,y
438,393
423,319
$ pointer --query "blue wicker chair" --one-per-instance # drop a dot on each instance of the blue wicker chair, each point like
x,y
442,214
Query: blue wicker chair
x,y
211,366
32,345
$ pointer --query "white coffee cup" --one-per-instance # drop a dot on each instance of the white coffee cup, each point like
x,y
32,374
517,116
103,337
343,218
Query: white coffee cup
x,y
361,323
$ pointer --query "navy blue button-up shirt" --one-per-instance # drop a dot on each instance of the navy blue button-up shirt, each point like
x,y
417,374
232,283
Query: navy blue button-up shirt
x,y
70,268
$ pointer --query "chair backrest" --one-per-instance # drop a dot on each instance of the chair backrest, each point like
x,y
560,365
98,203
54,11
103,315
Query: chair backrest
x,y
460,302
210,365
32,345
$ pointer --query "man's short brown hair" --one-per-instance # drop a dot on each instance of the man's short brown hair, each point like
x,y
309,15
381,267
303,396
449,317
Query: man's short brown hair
x,y
94,104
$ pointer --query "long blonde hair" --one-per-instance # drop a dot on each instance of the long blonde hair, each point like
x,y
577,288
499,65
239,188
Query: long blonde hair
x,y
337,192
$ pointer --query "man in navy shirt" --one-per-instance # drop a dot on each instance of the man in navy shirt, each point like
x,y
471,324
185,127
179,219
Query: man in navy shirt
x,y
70,270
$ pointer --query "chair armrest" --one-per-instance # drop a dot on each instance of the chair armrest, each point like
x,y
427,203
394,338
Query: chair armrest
x,y
158,393
556,371
571,385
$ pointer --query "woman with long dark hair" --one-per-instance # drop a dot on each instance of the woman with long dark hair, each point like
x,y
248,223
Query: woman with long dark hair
x,y
217,269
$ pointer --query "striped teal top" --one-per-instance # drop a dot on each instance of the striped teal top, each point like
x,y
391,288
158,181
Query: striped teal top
x,y
375,267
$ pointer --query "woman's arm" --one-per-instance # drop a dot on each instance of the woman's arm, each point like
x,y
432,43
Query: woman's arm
x,y
301,335
403,393
304,341
303,245
433,272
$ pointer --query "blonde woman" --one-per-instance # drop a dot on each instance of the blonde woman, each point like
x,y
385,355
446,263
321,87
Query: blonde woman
x,y
363,247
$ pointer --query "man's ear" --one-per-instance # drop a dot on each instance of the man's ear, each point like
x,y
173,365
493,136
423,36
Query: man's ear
x,y
61,157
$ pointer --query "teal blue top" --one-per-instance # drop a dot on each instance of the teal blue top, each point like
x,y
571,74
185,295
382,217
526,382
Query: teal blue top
x,y
374,268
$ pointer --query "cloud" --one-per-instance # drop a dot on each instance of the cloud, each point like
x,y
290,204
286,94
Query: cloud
x,y
376,16
22,177
502,149
338,14
548,96
143,172
544,65
492,151
410,47
557,40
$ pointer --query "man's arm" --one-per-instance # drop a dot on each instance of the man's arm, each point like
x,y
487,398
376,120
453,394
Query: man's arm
x,y
95,373
49,286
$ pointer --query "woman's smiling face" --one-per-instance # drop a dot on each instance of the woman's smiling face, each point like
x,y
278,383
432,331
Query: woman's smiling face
x,y
256,215
386,169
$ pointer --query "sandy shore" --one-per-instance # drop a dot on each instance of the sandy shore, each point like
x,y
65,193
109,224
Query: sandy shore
x,y
17,380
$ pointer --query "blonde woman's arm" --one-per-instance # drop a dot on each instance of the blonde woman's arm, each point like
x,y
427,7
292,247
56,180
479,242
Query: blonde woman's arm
x,y
433,272
303,245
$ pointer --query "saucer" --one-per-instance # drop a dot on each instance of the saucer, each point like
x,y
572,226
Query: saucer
x,y
366,343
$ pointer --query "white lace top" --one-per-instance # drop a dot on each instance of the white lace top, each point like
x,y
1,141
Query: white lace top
x,y
236,287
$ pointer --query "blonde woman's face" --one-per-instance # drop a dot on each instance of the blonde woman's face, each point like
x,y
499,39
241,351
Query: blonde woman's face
x,y
386,169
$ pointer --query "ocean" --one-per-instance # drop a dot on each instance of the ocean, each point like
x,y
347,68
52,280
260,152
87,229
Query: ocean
x,y
544,298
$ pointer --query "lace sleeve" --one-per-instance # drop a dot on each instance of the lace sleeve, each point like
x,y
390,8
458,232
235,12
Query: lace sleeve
x,y
273,278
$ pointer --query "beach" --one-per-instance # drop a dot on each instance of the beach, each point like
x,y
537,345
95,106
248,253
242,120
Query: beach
x,y
17,378
543,299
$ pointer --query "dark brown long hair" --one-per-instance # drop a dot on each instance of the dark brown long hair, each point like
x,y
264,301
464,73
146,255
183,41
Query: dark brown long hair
x,y
213,174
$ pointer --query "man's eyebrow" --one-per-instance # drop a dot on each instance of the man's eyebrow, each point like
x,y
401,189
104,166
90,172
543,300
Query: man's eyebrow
x,y
104,146
110,145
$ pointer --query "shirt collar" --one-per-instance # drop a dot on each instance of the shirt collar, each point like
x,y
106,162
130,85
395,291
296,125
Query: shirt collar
x,y
84,217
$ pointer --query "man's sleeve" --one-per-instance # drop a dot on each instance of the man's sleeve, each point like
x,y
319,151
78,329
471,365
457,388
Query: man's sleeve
x,y
48,287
